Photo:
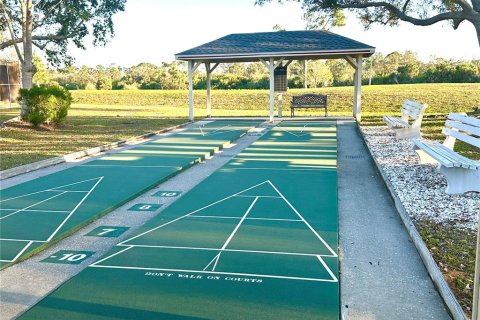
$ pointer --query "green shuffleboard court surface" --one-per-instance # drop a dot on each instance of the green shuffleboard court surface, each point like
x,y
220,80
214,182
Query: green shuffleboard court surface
x,y
38,212
255,240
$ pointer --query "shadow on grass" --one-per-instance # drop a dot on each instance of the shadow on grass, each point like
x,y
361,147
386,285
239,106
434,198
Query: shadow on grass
x,y
21,143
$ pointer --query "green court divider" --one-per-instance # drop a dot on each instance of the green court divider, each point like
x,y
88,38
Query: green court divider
x,y
255,240
38,213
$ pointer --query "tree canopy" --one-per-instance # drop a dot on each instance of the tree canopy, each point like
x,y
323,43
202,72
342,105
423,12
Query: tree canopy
x,y
55,23
51,25
390,12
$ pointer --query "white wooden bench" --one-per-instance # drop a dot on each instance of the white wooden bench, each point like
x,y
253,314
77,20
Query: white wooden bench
x,y
400,125
462,174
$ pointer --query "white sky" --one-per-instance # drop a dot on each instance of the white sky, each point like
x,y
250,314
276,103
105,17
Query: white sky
x,y
154,30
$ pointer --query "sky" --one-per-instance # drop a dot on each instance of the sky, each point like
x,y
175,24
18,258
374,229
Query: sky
x,y
155,30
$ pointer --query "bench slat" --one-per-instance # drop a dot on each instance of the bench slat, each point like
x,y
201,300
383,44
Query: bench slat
x,y
410,114
461,136
396,121
465,119
458,160
446,156
414,110
430,150
463,127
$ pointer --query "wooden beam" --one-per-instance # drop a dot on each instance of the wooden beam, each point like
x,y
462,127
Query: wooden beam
x,y
351,61
272,87
279,61
214,66
265,63
196,65
209,89
190,89
357,95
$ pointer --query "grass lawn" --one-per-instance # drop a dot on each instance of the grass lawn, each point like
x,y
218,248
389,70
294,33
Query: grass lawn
x,y
86,126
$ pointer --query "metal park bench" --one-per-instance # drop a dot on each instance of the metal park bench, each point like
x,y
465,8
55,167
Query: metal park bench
x,y
308,101
462,174
400,125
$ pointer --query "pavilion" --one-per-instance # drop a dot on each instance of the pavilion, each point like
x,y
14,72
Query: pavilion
x,y
273,49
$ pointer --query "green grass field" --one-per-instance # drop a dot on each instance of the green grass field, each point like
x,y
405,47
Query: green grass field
x,y
441,98
99,117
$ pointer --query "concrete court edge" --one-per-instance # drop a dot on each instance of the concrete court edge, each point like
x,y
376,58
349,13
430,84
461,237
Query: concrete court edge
x,y
29,167
108,210
432,268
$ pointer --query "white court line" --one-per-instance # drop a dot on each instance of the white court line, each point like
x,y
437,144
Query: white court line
x,y
113,255
303,219
125,166
214,259
22,251
241,196
75,209
228,250
54,211
275,169
215,272
301,132
75,191
25,209
200,127
217,257
265,219
21,240
188,214
29,194
327,268
214,131
49,190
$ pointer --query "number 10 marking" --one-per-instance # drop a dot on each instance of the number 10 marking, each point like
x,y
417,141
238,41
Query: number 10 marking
x,y
167,194
69,257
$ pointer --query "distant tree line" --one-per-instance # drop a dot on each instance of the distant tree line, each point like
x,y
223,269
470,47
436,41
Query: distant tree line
x,y
393,68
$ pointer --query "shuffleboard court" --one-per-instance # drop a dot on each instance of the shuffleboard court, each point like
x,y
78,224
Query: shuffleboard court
x,y
256,240
35,213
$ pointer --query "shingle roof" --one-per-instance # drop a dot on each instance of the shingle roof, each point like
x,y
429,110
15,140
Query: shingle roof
x,y
282,43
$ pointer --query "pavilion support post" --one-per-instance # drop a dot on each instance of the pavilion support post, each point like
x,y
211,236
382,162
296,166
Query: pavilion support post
x,y
190,90
272,87
209,90
357,95
305,73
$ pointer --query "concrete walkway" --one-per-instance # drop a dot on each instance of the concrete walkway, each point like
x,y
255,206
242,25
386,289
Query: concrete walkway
x,y
382,275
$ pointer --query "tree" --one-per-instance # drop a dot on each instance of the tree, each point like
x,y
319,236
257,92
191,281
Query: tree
x,y
320,21
390,12
42,75
51,25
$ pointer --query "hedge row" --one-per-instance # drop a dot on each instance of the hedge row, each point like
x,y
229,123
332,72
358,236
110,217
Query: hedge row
x,y
441,98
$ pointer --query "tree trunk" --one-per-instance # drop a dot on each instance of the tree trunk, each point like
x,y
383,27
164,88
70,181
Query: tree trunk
x,y
28,69
476,24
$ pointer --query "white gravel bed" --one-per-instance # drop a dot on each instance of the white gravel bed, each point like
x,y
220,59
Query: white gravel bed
x,y
420,187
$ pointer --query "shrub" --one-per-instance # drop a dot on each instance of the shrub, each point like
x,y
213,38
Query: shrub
x,y
46,104
104,83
